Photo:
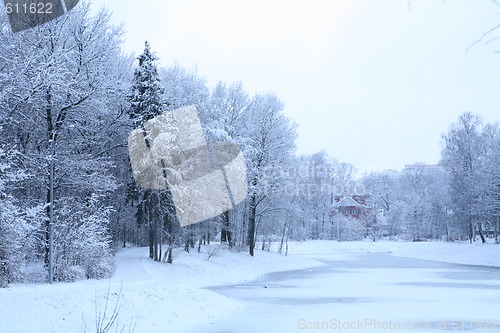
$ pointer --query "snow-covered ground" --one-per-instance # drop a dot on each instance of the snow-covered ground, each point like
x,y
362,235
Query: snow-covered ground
x,y
153,297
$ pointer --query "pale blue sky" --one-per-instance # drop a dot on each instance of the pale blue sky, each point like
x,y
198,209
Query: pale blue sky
x,y
373,82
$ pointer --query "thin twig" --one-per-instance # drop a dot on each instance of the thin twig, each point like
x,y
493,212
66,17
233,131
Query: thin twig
x,y
482,37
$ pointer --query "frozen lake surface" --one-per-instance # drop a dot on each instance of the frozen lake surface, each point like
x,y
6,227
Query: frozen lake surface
x,y
366,292
323,286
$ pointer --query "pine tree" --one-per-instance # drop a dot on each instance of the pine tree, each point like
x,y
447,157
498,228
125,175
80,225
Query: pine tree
x,y
145,99
145,104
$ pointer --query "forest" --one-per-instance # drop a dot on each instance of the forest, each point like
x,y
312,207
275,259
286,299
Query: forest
x,y
70,97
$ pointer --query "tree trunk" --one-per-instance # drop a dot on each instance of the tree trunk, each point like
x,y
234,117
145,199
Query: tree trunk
x,y
243,231
161,241
47,222
50,136
151,241
186,244
4,273
471,231
481,234
496,230
155,241
125,236
147,215
226,233
156,207
251,224
170,257
283,235
170,239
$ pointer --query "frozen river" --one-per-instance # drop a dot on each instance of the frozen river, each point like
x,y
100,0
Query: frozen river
x,y
372,292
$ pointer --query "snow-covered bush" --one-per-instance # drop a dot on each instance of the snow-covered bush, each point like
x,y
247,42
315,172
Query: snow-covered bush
x,y
351,229
17,226
68,273
82,241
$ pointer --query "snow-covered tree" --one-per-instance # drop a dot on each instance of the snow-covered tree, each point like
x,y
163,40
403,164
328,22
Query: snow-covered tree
x,y
182,88
146,96
271,138
424,198
490,177
64,84
154,208
224,121
461,155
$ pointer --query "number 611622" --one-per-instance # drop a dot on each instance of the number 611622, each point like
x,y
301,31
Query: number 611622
x,y
29,8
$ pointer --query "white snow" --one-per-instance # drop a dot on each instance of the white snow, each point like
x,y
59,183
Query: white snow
x,y
155,297
152,297
486,254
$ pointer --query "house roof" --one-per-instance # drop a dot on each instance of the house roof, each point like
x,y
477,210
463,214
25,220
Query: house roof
x,y
348,202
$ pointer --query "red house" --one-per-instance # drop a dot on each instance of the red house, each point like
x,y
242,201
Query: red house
x,y
351,206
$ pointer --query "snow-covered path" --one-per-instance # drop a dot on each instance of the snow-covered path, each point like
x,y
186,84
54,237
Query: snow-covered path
x,y
130,265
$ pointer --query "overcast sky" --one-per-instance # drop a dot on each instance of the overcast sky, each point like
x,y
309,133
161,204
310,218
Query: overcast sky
x,y
374,83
